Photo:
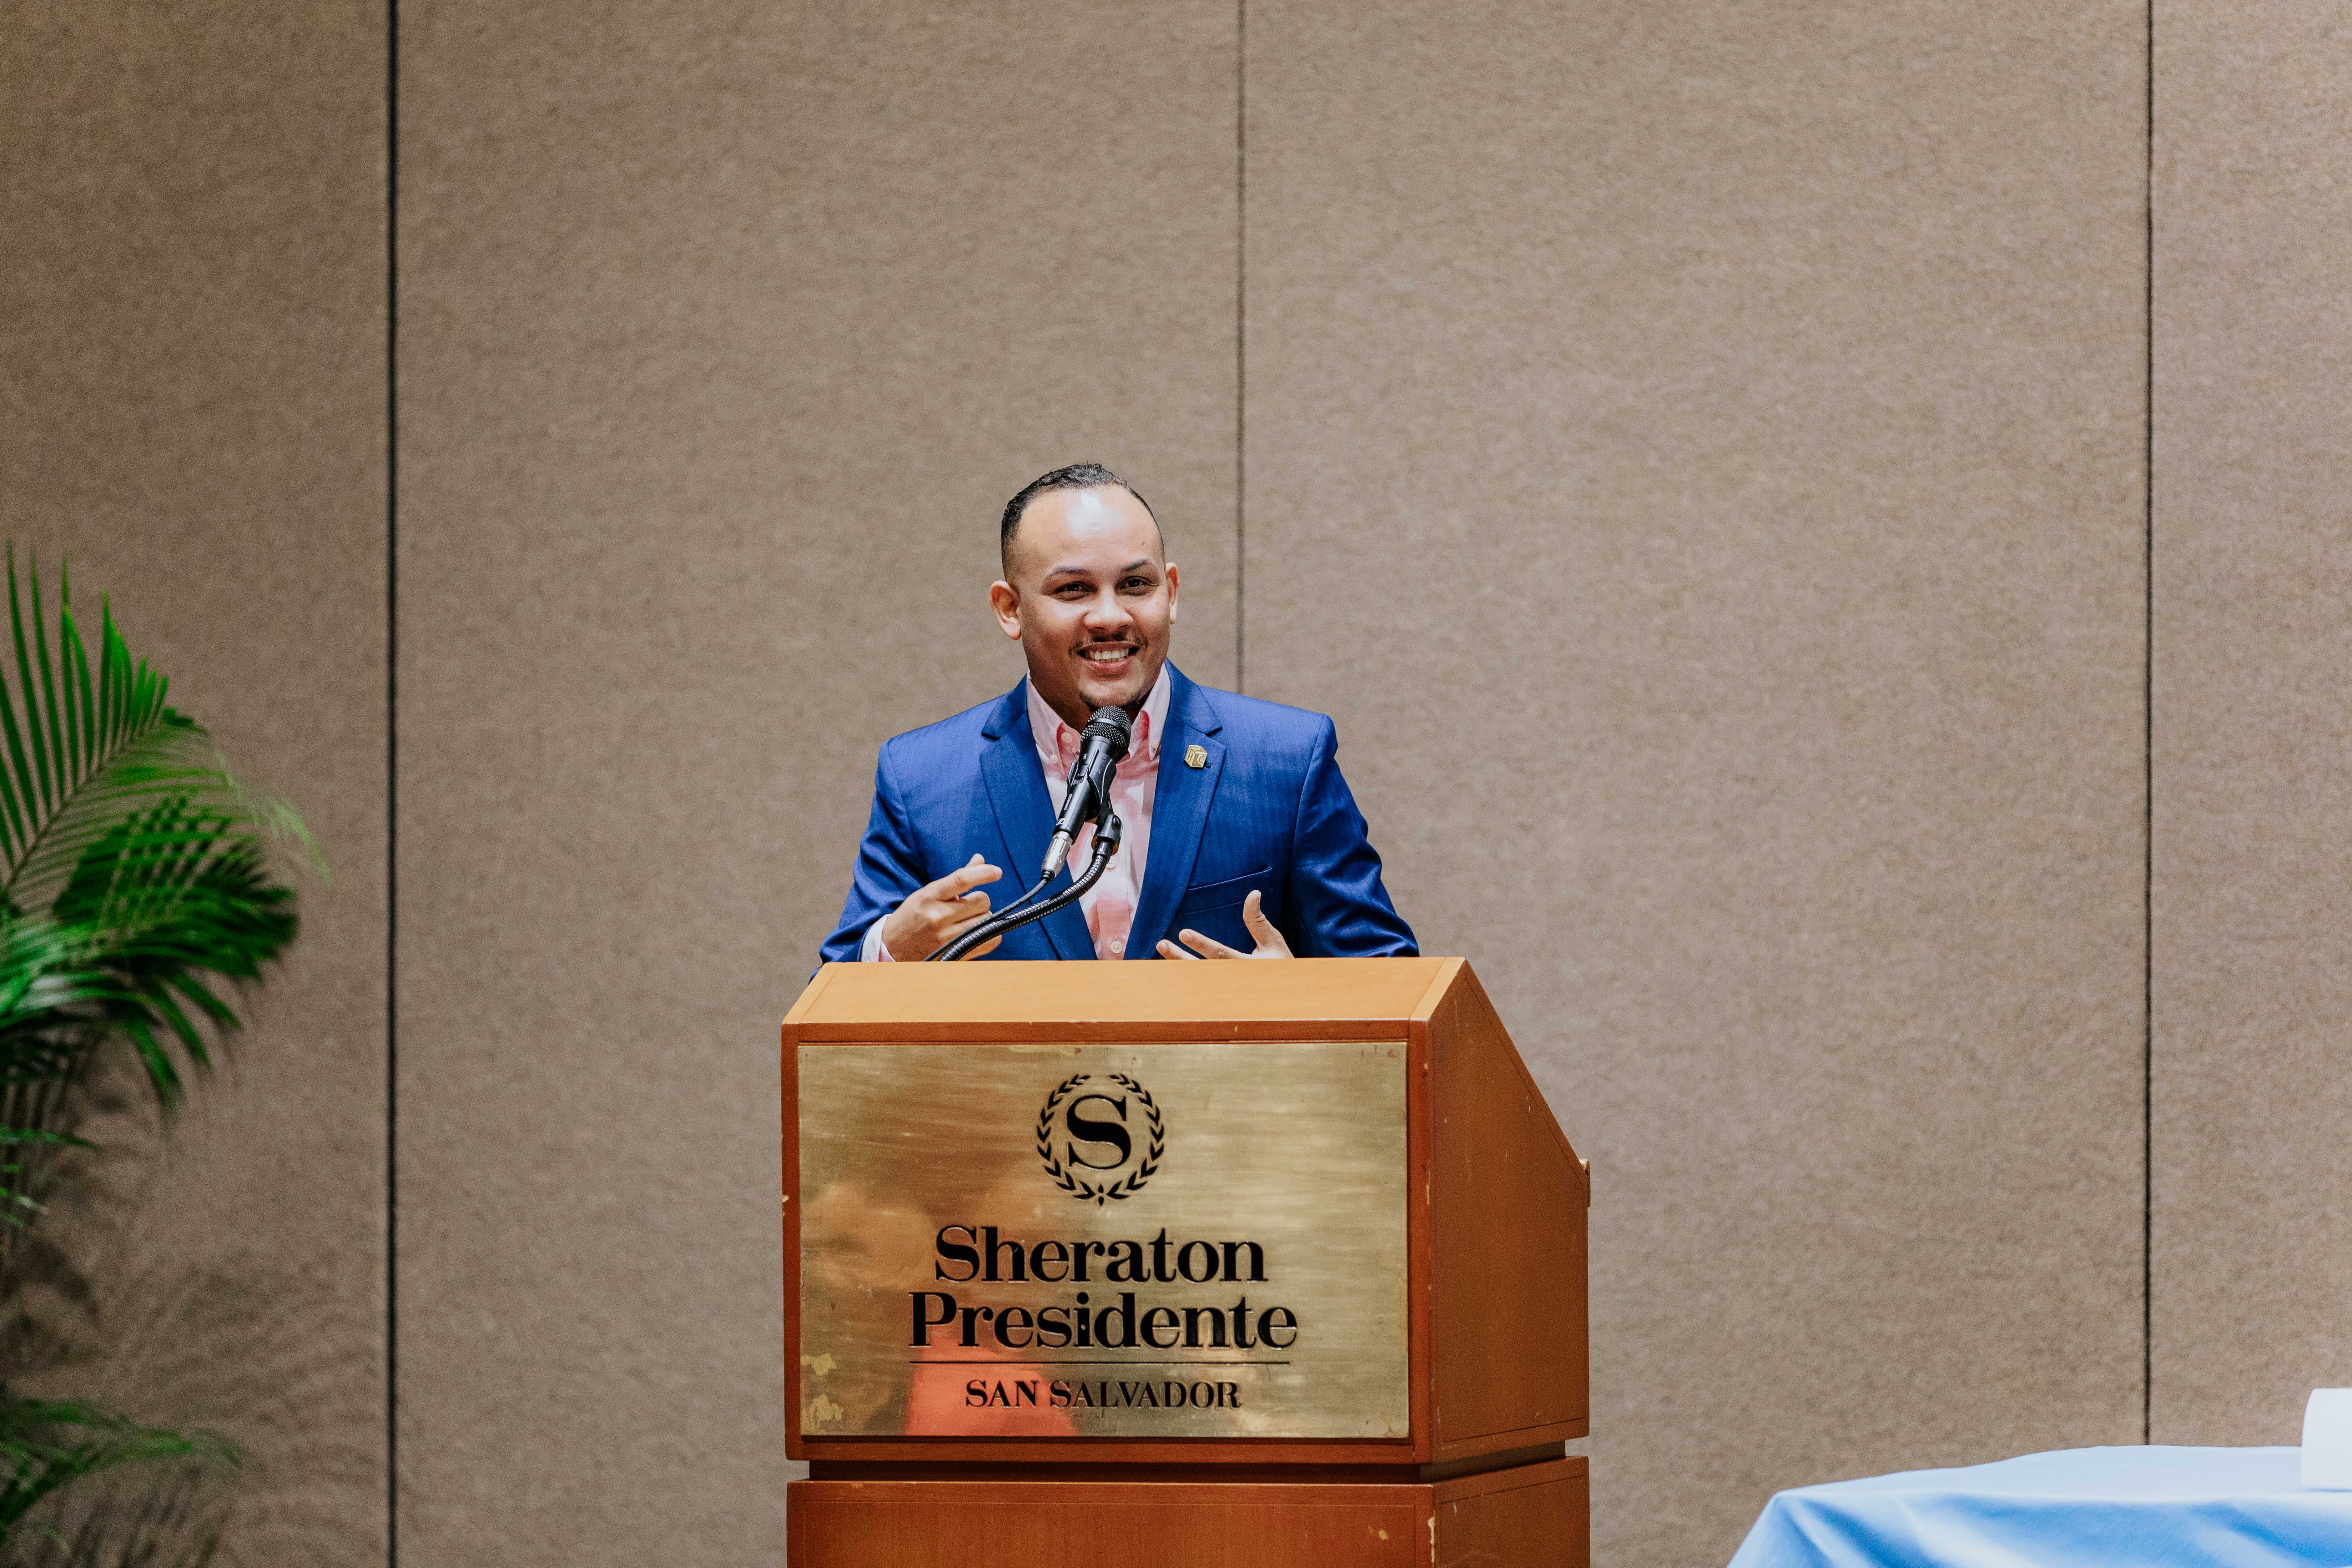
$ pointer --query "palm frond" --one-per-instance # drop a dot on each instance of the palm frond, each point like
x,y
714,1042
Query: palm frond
x,y
83,748
162,901
171,1516
46,1444
134,887
118,816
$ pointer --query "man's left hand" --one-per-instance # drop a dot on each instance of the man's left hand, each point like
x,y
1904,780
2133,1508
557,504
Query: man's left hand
x,y
1269,941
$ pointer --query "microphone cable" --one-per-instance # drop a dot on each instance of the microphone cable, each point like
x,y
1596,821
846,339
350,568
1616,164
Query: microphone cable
x,y
1108,828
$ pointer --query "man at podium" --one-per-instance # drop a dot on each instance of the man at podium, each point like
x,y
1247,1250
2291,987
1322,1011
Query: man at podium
x,y
1241,836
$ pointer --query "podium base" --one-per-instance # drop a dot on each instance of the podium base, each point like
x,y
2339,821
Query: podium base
x,y
1524,1516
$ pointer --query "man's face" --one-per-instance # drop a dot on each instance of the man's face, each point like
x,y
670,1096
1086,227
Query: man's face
x,y
1091,599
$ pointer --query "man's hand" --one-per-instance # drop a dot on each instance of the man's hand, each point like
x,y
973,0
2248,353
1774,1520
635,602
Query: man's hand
x,y
1269,941
939,913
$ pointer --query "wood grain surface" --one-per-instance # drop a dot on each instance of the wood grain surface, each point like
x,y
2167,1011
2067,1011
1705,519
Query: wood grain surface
x,y
1534,1516
1506,1279
1308,998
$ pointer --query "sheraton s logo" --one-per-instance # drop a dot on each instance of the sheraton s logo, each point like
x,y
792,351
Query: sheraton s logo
x,y
1088,1136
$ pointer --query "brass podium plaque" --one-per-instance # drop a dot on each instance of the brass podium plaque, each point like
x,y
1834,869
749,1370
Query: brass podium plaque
x,y
1103,1241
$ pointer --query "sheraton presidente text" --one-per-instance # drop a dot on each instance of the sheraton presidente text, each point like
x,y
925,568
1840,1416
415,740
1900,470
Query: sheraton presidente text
x,y
969,1254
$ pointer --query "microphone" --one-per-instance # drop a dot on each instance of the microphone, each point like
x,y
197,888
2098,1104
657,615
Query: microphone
x,y
1101,744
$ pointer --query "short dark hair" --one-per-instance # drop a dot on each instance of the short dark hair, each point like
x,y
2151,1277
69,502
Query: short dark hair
x,y
1077,477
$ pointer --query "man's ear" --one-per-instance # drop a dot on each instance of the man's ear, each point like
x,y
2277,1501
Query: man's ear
x,y
1171,593
1005,600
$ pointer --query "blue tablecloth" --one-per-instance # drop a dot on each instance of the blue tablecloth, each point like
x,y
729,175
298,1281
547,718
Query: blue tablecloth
x,y
2111,1508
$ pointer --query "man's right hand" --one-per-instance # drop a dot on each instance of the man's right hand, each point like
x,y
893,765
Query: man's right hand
x,y
939,913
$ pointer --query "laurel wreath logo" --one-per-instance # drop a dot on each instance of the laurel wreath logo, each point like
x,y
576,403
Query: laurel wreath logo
x,y
1079,1187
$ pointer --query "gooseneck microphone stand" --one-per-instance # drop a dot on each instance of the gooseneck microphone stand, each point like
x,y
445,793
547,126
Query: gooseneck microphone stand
x,y
1020,912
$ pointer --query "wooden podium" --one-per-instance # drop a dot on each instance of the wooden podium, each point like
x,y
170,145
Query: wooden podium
x,y
1177,1264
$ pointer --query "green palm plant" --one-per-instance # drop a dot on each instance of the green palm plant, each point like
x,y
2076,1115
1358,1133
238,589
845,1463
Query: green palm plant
x,y
46,1445
136,893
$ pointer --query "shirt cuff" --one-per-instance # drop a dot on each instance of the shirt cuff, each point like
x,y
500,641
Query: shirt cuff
x,y
874,952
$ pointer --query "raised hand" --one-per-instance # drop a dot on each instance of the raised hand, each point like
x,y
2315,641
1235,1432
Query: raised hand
x,y
1269,941
938,912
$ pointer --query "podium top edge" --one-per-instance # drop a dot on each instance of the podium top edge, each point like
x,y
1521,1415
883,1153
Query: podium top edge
x,y
907,1001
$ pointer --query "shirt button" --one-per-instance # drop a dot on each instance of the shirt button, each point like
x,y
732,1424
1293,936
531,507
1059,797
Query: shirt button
x,y
1118,945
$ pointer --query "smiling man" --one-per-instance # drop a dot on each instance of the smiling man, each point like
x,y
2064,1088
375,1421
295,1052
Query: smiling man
x,y
1241,839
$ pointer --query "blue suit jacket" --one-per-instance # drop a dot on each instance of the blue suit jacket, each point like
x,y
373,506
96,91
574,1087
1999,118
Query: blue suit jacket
x,y
1267,810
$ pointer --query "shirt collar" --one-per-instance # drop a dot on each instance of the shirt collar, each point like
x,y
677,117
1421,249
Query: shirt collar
x,y
1045,725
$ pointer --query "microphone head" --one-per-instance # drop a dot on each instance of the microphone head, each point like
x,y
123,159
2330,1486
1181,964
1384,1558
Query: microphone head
x,y
1112,727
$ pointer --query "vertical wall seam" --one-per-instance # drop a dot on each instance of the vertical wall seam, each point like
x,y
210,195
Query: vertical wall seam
x,y
2147,721
392,789
1240,339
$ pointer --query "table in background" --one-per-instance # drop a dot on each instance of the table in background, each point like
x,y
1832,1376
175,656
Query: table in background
x,y
2078,1508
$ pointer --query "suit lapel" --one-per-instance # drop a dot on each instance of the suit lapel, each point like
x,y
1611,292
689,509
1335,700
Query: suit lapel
x,y
1180,811
1024,817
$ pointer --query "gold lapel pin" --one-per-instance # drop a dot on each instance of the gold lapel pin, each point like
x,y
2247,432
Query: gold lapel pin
x,y
1196,756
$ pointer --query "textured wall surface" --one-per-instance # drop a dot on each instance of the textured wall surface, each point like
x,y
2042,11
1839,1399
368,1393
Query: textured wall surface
x,y
1695,455
725,333
1698,455
192,410
2252,807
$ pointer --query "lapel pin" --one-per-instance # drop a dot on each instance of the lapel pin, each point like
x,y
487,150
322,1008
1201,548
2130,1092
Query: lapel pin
x,y
1196,756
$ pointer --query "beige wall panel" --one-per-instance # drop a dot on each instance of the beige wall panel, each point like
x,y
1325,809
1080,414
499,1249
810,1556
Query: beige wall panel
x,y
1695,453
2253,855
192,409
725,330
